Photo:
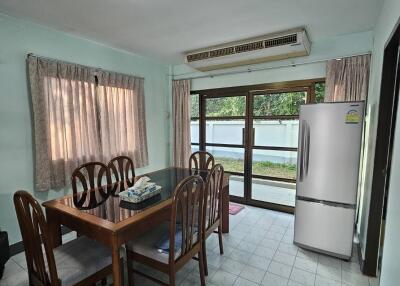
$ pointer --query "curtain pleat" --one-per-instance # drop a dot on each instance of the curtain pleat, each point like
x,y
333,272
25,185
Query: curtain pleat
x,y
347,79
181,117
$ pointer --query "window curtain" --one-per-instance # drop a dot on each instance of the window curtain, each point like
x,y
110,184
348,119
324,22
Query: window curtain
x,y
70,119
122,117
347,79
181,118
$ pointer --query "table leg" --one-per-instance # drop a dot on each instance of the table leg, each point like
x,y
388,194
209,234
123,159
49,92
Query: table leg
x,y
116,265
54,229
225,209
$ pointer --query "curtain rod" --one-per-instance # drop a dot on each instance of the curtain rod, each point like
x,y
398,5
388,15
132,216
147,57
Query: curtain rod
x,y
262,69
80,65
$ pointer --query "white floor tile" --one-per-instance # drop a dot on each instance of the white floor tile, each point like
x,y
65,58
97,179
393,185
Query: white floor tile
x,y
303,277
223,278
271,279
322,281
284,258
253,274
329,272
280,269
305,264
243,282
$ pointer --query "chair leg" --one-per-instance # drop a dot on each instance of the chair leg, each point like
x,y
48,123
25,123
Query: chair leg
x,y
221,247
201,268
172,278
129,268
204,251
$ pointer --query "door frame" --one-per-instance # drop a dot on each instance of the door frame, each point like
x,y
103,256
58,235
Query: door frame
x,y
248,91
388,101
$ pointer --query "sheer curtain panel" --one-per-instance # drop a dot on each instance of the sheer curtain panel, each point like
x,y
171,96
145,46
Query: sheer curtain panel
x,y
181,117
77,120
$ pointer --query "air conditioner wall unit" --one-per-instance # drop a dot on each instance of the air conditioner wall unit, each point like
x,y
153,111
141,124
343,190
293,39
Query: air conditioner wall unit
x,y
272,47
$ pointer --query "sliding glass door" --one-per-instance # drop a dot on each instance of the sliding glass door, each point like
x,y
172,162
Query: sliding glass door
x,y
273,150
253,133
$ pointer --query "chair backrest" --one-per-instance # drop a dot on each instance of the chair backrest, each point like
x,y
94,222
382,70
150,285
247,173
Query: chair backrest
x,y
213,196
201,160
34,232
123,170
95,181
187,209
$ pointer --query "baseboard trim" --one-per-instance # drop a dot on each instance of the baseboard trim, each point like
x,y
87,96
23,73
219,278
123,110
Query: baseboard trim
x,y
18,247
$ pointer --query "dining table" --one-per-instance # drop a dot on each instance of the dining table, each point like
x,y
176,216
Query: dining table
x,y
113,222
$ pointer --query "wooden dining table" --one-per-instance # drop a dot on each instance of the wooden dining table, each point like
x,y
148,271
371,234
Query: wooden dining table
x,y
114,222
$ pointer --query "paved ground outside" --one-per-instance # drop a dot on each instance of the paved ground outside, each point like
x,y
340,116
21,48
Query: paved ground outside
x,y
265,192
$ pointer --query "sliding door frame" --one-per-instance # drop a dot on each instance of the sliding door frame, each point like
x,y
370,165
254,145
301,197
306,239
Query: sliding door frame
x,y
249,91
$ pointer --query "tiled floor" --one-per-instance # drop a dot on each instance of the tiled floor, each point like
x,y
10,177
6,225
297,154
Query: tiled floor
x,y
258,251
266,193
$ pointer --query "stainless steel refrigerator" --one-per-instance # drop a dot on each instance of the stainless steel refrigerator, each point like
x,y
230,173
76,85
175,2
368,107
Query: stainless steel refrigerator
x,y
327,176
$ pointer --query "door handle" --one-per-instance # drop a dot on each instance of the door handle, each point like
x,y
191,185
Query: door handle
x,y
307,149
301,150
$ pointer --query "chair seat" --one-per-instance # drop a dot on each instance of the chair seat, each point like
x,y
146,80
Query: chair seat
x,y
79,259
146,244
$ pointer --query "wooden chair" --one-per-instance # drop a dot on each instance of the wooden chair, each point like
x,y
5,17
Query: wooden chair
x,y
79,262
123,170
213,209
187,203
201,160
95,181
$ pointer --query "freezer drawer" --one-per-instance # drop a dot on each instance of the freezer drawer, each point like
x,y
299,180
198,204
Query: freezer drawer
x,y
324,228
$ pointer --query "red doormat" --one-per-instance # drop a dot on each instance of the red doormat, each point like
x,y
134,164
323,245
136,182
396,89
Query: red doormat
x,y
235,208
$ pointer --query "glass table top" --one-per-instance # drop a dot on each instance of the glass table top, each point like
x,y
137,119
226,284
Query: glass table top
x,y
113,209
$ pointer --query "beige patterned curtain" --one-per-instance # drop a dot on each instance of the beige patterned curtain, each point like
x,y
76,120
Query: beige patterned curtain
x,y
70,115
181,117
347,79
122,117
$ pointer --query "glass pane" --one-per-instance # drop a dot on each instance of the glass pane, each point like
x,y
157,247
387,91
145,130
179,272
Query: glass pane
x,y
236,186
279,164
319,92
274,192
194,131
231,158
195,148
277,133
287,103
224,131
195,106
226,106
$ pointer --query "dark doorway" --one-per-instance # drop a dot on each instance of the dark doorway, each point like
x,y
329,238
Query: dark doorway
x,y
389,94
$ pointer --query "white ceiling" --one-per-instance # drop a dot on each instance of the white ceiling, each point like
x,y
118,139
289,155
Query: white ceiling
x,y
164,29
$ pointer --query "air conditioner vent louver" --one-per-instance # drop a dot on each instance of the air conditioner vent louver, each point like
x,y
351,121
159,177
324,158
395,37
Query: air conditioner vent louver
x,y
249,47
198,56
286,40
272,47
222,52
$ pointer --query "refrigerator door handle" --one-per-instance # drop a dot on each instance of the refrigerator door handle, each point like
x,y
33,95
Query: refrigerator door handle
x,y
307,141
301,150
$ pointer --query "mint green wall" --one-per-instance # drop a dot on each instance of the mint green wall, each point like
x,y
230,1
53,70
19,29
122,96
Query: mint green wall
x,y
17,38
390,274
328,48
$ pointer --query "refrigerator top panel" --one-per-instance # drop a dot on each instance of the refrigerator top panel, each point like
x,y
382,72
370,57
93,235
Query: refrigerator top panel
x,y
329,151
